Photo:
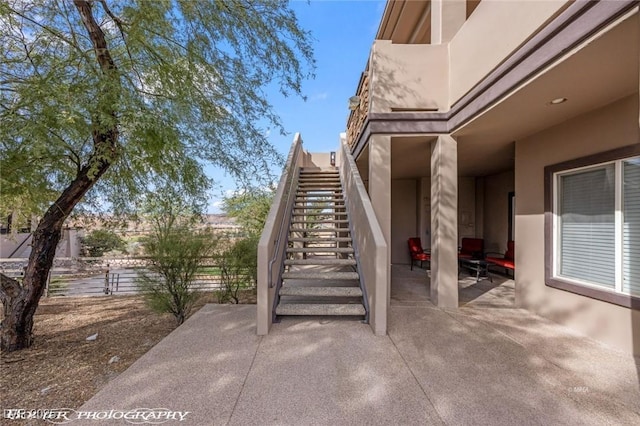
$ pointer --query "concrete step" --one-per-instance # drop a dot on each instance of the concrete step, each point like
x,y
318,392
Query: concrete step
x,y
308,230
317,187
328,183
320,250
310,214
320,221
308,201
309,211
316,193
315,275
320,309
316,197
325,249
315,261
319,180
320,240
315,208
321,291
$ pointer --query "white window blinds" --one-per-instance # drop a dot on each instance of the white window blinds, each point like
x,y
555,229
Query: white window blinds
x,y
587,226
631,227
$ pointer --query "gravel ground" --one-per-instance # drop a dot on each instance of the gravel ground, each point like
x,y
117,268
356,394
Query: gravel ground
x,y
62,369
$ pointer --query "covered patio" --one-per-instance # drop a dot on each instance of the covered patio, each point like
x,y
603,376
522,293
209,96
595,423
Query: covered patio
x,y
412,288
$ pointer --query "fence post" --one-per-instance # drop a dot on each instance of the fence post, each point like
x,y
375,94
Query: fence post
x,y
106,280
46,286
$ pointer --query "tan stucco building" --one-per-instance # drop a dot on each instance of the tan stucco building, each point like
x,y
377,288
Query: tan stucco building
x,y
503,120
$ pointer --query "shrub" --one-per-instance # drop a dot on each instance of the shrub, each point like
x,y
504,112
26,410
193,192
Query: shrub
x,y
175,253
238,269
100,241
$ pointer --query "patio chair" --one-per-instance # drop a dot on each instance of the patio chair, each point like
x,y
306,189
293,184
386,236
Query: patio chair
x,y
507,260
416,252
472,248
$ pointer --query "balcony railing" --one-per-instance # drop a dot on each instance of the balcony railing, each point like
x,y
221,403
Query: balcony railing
x,y
358,115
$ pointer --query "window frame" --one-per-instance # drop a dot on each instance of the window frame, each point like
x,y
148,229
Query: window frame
x,y
551,174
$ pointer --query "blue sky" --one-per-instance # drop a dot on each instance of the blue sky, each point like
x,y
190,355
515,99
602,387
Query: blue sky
x,y
343,31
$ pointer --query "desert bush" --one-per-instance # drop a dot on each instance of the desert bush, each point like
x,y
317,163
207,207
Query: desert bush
x,y
100,241
238,269
176,251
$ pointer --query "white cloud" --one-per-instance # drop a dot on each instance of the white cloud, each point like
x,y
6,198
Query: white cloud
x,y
319,96
215,205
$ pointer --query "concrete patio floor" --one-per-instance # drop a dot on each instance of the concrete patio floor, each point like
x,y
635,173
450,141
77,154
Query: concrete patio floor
x,y
485,363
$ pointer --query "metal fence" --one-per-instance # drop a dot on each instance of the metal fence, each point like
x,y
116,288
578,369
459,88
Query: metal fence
x,y
108,276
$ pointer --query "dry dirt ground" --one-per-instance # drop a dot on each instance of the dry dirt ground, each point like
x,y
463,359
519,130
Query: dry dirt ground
x,y
62,369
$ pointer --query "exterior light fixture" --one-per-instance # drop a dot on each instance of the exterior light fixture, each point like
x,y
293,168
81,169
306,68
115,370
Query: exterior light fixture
x,y
354,102
558,101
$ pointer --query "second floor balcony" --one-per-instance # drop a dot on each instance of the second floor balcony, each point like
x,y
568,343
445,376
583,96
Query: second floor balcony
x,y
422,77
399,78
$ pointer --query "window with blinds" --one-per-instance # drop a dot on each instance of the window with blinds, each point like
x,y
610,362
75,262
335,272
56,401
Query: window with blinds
x,y
597,229
587,226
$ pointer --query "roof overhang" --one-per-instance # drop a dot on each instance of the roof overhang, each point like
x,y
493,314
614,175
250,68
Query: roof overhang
x,y
406,22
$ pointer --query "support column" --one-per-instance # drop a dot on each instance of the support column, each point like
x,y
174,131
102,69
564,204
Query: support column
x,y
444,222
447,16
380,195
425,212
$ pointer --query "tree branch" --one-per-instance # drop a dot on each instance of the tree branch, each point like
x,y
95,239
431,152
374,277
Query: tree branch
x,y
96,35
120,24
118,21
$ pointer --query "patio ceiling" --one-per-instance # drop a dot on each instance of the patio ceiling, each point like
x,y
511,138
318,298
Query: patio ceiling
x,y
603,71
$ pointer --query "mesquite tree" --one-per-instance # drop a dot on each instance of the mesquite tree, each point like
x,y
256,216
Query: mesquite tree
x,y
101,101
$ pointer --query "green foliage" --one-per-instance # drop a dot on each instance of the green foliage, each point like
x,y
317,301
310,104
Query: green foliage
x,y
176,251
100,241
187,88
250,208
107,101
238,269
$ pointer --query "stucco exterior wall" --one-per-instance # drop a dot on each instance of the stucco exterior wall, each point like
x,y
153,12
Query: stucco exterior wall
x,y
424,211
9,243
466,207
490,35
318,159
368,238
610,127
413,76
496,210
19,245
403,218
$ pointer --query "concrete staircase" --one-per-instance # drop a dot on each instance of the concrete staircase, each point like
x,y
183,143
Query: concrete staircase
x,y
320,269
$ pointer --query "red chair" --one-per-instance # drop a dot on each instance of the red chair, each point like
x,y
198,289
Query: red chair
x,y
416,252
508,261
472,248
